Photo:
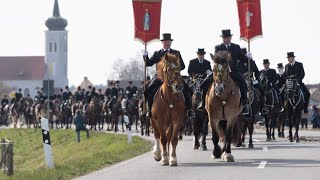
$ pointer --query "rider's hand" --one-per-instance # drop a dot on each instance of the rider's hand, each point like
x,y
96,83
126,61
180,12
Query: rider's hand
x,y
145,53
208,72
249,55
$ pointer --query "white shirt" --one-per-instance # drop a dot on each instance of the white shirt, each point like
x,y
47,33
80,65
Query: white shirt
x,y
167,50
292,64
200,61
228,46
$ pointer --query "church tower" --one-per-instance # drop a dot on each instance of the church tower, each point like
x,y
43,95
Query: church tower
x,y
56,57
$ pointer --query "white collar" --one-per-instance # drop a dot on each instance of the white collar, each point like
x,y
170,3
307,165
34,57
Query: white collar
x,y
292,64
200,60
227,45
166,49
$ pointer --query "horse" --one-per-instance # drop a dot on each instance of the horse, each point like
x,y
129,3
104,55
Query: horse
x,y
271,108
133,111
248,121
28,114
66,114
145,121
106,115
223,106
17,111
168,109
92,114
293,104
4,114
200,121
117,114
42,110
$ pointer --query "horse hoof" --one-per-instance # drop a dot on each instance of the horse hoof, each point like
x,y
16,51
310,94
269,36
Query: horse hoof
x,y
228,157
165,162
291,140
157,159
216,153
173,161
273,138
195,147
250,146
268,139
238,145
297,140
203,148
243,145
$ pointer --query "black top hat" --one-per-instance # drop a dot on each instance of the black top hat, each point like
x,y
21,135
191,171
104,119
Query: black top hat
x,y
99,90
148,78
79,88
166,37
226,33
89,87
60,90
266,61
20,89
290,54
118,82
244,50
67,87
110,83
280,65
201,51
130,82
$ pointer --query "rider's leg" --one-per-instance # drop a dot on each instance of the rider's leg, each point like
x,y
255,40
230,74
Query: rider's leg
x,y
205,86
150,93
237,76
306,94
187,91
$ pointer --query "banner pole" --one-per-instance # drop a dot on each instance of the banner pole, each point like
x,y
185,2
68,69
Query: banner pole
x,y
250,80
145,80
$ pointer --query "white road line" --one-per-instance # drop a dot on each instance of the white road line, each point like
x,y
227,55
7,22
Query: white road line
x,y
262,165
265,149
255,140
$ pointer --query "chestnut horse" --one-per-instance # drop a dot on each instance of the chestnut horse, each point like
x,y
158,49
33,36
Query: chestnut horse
x,y
168,109
223,106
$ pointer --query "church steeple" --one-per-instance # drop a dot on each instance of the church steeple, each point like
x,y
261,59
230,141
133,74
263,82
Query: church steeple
x,y
56,22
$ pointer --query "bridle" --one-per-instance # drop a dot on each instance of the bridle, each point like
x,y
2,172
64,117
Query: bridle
x,y
175,69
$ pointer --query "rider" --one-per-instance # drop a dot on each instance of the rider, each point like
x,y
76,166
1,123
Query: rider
x,y
100,95
236,55
295,69
59,96
131,90
65,96
272,76
200,66
107,93
281,81
18,95
114,94
156,83
4,102
77,95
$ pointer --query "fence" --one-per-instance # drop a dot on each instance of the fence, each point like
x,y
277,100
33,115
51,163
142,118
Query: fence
x,y
6,162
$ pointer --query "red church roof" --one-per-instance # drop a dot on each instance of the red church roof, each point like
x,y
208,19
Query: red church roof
x,y
22,68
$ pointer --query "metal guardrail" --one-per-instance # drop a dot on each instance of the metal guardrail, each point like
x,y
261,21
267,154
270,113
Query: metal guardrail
x,y
6,161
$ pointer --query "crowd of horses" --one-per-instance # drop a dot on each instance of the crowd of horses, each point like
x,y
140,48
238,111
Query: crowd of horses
x,y
98,114
168,123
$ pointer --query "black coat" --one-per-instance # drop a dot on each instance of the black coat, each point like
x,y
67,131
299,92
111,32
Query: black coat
x,y
108,92
236,55
272,76
195,67
130,91
159,54
281,81
296,70
4,101
243,67
114,92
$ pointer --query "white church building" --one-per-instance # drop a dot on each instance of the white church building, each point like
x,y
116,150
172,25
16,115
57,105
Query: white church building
x,y
29,72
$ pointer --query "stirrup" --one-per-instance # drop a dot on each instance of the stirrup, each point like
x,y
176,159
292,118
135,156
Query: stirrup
x,y
191,113
245,112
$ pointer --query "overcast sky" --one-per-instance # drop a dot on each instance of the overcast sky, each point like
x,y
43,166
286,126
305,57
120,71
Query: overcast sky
x,y
101,31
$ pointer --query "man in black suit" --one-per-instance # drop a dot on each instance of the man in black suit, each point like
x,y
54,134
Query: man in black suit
x,y
202,67
244,68
280,83
4,102
156,83
295,69
272,76
236,55
131,90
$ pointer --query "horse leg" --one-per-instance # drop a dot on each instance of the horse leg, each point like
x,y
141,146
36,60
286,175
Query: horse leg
x,y
215,139
204,132
227,156
290,128
196,134
273,122
250,128
283,125
297,120
174,143
164,143
267,128
156,147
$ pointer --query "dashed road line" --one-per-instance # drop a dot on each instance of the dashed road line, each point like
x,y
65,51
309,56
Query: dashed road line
x,y
265,149
262,165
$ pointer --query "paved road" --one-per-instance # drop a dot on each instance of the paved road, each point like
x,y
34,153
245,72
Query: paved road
x,y
268,160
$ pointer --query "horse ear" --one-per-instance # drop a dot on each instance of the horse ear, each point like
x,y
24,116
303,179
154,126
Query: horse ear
x,y
212,56
229,57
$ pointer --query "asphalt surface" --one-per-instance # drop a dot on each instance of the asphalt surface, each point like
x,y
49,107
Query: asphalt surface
x,y
277,159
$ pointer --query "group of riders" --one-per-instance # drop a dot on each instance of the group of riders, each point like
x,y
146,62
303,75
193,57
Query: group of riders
x,y
198,67
239,66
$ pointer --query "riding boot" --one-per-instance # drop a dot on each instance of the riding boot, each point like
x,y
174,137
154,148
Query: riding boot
x,y
149,102
244,101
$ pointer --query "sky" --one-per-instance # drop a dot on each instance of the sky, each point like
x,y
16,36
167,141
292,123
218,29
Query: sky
x,y
102,32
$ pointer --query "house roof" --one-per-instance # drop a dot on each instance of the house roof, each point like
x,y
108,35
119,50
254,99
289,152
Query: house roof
x,y
22,68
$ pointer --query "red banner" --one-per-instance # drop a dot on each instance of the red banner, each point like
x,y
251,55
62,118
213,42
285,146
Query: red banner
x,y
249,19
147,16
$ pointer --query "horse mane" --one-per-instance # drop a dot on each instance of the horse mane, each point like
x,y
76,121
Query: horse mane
x,y
221,57
166,60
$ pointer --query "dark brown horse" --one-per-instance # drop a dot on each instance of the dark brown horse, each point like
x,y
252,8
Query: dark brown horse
x,y
117,115
293,105
144,120
168,109
223,106
200,121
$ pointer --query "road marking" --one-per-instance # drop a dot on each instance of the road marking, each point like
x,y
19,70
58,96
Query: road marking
x,y
265,149
255,140
262,165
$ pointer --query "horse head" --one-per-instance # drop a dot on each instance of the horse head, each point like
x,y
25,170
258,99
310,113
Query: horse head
x,y
264,81
168,70
221,70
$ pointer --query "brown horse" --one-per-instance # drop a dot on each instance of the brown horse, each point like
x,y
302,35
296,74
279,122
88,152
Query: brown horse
x,y
223,106
168,109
